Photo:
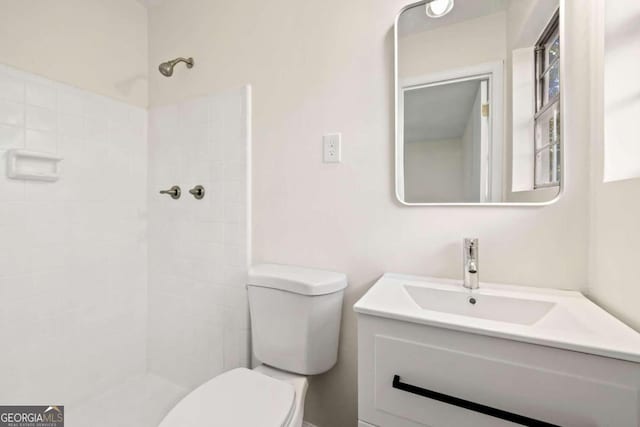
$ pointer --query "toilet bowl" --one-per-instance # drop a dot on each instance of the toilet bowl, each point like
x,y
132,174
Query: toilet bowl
x,y
295,320
242,397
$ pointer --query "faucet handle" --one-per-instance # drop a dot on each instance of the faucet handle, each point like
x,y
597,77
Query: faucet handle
x,y
471,242
174,192
197,192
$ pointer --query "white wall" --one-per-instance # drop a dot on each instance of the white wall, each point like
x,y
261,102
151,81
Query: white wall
x,y
434,171
482,40
621,90
317,67
198,249
72,252
615,206
96,45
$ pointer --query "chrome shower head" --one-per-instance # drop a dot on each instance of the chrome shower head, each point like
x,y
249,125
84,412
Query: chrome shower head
x,y
166,68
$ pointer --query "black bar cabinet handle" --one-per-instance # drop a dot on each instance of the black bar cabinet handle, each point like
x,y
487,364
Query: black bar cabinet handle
x,y
471,406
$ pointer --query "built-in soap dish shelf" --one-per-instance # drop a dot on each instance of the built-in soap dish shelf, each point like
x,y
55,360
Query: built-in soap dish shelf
x,y
33,165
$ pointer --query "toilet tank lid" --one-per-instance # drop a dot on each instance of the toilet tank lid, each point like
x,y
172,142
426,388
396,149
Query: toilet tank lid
x,y
300,280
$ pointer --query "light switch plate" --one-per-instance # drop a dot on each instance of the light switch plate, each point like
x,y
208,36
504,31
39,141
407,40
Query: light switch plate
x,y
331,147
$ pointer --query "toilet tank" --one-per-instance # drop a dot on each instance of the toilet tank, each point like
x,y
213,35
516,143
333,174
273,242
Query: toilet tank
x,y
295,317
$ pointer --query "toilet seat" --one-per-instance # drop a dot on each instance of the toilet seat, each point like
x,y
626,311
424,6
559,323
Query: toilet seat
x,y
238,398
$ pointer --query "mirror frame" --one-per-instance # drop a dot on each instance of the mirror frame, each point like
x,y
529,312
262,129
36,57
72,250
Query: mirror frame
x,y
398,150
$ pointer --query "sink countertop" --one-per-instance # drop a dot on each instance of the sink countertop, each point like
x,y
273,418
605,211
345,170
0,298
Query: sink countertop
x,y
573,323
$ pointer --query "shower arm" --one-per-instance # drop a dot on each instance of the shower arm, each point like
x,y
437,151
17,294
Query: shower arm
x,y
188,61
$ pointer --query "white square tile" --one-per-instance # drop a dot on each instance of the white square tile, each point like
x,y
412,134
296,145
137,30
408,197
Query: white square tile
x,y
11,113
95,127
235,234
11,190
235,191
12,213
74,241
72,125
40,118
70,100
95,105
234,212
11,137
116,113
195,112
11,88
210,249
41,141
42,95
142,401
13,262
216,170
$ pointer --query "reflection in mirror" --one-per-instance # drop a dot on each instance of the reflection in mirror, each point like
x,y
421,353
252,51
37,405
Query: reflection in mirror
x,y
478,102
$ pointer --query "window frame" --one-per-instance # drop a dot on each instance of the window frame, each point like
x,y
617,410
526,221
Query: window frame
x,y
548,36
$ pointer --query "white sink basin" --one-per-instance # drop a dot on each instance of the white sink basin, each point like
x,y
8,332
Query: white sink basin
x,y
491,307
555,318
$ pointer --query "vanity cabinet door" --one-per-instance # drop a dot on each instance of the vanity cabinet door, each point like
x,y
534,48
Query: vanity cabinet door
x,y
471,374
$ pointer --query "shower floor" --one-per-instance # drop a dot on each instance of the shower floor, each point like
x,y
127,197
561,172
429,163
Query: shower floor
x,y
141,401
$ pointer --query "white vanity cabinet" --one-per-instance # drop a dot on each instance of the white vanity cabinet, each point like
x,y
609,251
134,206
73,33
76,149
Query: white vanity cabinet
x,y
448,378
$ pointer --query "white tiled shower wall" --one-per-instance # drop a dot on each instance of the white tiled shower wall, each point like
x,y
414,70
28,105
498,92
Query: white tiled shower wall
x,y
73,276
199,249
78,308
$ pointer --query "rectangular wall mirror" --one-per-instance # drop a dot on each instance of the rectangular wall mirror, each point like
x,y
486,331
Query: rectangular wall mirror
x,y
478,102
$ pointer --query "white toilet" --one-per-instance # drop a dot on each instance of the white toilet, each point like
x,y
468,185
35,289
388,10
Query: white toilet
x,y
295,321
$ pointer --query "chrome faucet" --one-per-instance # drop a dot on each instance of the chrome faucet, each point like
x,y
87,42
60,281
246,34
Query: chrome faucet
x,y
470,273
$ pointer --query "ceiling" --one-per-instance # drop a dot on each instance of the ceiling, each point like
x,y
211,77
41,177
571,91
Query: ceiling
x,y
415,20
438,113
